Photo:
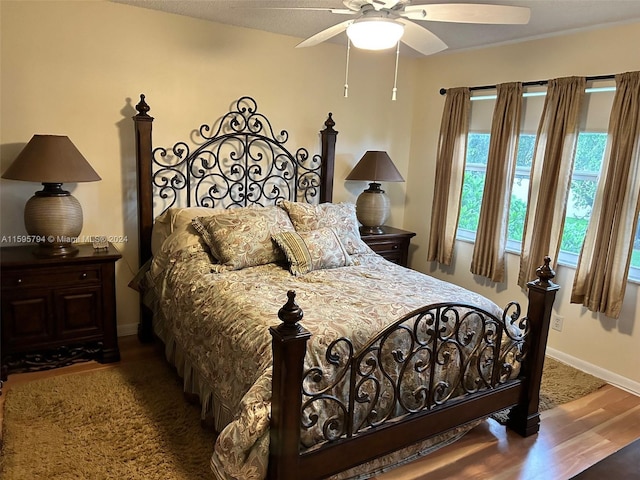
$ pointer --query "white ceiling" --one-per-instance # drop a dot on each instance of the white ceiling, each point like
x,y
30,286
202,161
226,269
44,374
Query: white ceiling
x,y
548,18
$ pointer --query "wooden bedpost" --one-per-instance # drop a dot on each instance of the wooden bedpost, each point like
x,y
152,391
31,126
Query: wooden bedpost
x,y
143,123
289,346
524,417
328,159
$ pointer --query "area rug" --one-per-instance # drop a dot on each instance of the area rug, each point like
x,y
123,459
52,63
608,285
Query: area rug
x,y
128,422
561,383
133,422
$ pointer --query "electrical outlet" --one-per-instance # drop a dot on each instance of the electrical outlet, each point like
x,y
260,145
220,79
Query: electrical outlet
x,y
556,322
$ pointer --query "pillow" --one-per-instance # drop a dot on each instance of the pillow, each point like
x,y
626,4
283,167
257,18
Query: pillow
x,y
160,231
313,250
339,216
184,236
173,219
182,216
241,237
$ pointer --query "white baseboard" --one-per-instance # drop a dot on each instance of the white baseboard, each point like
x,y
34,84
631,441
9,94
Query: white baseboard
x,y
127,329
610,377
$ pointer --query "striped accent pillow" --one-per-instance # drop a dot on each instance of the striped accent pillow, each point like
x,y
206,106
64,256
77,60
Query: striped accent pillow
x,y
312,250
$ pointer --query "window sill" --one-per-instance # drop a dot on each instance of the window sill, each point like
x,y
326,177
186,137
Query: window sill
x,y
565,259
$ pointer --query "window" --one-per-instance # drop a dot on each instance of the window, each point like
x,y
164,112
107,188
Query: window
x,y
588,161
474,177
584,182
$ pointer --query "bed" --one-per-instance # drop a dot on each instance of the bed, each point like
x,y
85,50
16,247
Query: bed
x,y
313,356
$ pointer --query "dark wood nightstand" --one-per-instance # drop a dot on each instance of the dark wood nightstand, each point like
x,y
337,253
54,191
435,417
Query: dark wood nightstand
x,y
392,244
57,310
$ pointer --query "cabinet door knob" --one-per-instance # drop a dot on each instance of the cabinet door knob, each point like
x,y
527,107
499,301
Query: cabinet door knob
x,y
83,276
395,247
19,281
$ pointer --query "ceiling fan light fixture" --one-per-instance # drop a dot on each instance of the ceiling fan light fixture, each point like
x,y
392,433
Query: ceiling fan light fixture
x,y
375,33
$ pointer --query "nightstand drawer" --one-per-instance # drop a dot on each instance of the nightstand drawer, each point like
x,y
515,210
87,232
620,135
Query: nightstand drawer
x,y
51,276
383,247
395,256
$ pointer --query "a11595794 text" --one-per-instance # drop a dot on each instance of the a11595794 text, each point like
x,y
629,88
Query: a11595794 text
x,y
17,239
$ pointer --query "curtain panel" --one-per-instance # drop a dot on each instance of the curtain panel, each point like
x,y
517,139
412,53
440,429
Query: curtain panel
x,y
450,164
603,266
551,174
491,236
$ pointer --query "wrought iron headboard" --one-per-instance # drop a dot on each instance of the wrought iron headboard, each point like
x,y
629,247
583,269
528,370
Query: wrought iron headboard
x,y
238,161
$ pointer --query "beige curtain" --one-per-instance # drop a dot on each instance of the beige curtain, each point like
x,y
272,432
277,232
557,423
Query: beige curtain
x,y
551,174
603,267
491,237
450,163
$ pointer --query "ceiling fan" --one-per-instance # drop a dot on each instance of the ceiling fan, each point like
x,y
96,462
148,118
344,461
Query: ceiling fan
x,y
380,24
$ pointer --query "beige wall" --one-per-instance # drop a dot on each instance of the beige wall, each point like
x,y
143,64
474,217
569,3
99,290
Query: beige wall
x,y
76,68
594,342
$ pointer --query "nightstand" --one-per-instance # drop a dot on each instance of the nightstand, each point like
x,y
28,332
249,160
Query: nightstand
x,y
57,310
392,244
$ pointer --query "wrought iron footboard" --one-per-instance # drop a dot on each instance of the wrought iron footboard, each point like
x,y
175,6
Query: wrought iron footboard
x,y
428,358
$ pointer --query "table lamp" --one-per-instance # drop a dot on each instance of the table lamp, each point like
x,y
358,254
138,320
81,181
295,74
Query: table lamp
x,y
52,217
372,205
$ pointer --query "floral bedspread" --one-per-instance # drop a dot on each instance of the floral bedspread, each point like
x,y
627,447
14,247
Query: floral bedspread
x,y
217,329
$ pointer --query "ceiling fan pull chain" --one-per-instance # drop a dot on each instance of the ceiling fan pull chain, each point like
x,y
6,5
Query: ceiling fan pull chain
x,y
346,76
395,77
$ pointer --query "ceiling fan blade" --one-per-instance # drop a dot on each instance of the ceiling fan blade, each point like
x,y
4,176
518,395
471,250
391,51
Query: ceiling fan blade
x,y
421,39
468,13
340,11
325,34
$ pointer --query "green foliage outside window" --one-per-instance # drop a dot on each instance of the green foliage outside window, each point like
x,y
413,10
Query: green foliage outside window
x,y
471,200
589,154
517,213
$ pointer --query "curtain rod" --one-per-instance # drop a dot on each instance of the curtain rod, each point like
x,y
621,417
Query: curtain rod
x,y
443,91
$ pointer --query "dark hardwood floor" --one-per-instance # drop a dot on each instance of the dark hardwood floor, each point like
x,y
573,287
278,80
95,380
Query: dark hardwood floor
x,y
572,437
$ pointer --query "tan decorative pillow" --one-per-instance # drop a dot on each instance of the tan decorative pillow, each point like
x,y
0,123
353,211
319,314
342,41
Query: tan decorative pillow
x,y
313,250
173,219
339,216
241,237
183,237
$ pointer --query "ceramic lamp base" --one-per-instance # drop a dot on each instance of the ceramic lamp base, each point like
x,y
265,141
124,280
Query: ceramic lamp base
x,y
53,217
372,209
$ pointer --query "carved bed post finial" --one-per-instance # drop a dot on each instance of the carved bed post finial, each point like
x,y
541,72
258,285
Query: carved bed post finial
x,y
545,273
142,107
290,313
329,123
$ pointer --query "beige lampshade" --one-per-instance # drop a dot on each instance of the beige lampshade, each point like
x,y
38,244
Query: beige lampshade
x,y
53,217
372,205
